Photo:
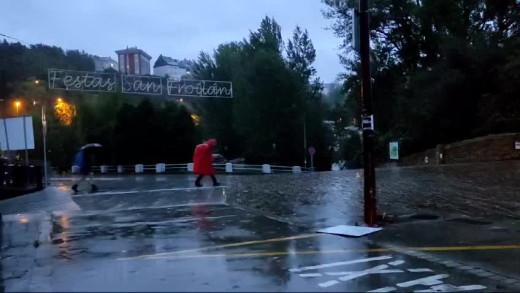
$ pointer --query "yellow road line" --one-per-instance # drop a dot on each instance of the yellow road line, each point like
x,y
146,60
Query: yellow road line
x,y
226,246
314,252
274,253
461,248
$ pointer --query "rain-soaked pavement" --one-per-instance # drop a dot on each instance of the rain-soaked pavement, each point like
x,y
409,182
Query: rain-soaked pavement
x,y
157,233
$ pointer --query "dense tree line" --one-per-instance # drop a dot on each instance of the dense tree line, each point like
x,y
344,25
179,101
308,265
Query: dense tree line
x,y
276,109
132,129
277,99
443,70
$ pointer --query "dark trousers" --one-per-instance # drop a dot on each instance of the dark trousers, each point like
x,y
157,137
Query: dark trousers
x,y
197,182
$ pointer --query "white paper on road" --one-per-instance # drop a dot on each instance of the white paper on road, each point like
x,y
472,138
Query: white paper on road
x,y
355,231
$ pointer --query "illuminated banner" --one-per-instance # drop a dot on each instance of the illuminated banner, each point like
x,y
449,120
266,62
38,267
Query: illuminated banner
x,y
141,84
82,80
199,88
137,84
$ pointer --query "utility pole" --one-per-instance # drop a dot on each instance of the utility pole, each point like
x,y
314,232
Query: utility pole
x,y
304,141
44,132
368,117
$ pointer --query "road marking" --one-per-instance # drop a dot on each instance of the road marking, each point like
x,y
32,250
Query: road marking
x,y
172,255
310,275
382,269
335,264
451,288
260,254
428,281
384,290
421,270
116,192
77,178
435,282
166,254
185,188
460,248
328,284
396,263
105,193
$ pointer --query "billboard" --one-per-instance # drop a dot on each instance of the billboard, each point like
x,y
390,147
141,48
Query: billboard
x,y
12,136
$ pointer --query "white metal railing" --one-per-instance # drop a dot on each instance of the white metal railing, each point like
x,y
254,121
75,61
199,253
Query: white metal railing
x,y
188,168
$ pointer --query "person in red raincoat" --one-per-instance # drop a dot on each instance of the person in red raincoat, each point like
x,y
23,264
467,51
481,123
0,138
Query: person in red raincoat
x,y
203,162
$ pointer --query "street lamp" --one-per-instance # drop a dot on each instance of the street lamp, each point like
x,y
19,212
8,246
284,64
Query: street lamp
x,y
17,104
44,134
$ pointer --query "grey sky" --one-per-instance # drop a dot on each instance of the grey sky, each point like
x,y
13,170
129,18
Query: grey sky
x,y
175,28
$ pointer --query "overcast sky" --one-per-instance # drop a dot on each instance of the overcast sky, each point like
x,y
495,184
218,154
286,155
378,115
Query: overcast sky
x,y
174,28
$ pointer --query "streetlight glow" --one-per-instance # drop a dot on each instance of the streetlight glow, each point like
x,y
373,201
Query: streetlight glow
x,y
17,104
64,111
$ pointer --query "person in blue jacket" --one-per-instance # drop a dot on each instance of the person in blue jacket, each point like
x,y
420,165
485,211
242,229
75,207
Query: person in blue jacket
x,y
84,162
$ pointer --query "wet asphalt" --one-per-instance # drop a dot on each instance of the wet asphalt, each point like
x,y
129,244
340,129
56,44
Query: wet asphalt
x,y
157,233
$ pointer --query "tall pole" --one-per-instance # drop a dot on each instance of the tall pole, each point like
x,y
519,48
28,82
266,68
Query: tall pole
x,y
368,117
25,143
304,141
44,131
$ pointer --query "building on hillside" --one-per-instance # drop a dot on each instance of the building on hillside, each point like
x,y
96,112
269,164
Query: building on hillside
x,y
103,63
172,68
133,61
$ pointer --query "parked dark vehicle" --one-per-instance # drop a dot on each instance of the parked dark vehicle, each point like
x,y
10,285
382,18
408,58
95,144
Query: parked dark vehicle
x,y
17,179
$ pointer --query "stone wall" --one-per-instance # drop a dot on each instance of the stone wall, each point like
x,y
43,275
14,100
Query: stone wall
x,y
496,147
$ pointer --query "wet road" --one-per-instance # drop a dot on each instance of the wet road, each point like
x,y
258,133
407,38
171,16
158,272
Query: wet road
x,y
157,233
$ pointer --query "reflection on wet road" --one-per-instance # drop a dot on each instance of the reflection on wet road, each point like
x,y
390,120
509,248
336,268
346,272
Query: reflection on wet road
x,y
146,234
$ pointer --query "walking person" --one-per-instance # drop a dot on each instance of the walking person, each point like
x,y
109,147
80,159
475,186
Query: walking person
x,y
84,160
203,162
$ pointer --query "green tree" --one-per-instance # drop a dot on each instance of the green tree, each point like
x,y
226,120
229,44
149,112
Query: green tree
x,y
435,66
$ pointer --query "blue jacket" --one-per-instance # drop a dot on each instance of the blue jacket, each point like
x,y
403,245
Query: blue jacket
x,y
81,159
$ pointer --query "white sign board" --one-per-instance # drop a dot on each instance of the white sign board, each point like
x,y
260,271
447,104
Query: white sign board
x,y
517,145
12,136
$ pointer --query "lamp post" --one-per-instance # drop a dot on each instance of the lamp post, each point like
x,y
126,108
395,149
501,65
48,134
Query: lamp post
x,y
44,134
17,104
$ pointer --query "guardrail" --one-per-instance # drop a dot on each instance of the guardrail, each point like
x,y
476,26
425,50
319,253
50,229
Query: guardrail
x,y
188,168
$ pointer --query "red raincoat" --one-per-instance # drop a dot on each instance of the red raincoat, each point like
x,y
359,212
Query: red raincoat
x,y
203,159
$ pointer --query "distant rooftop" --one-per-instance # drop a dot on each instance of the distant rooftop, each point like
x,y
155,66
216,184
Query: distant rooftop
x,y
165,61
133,50
106,59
